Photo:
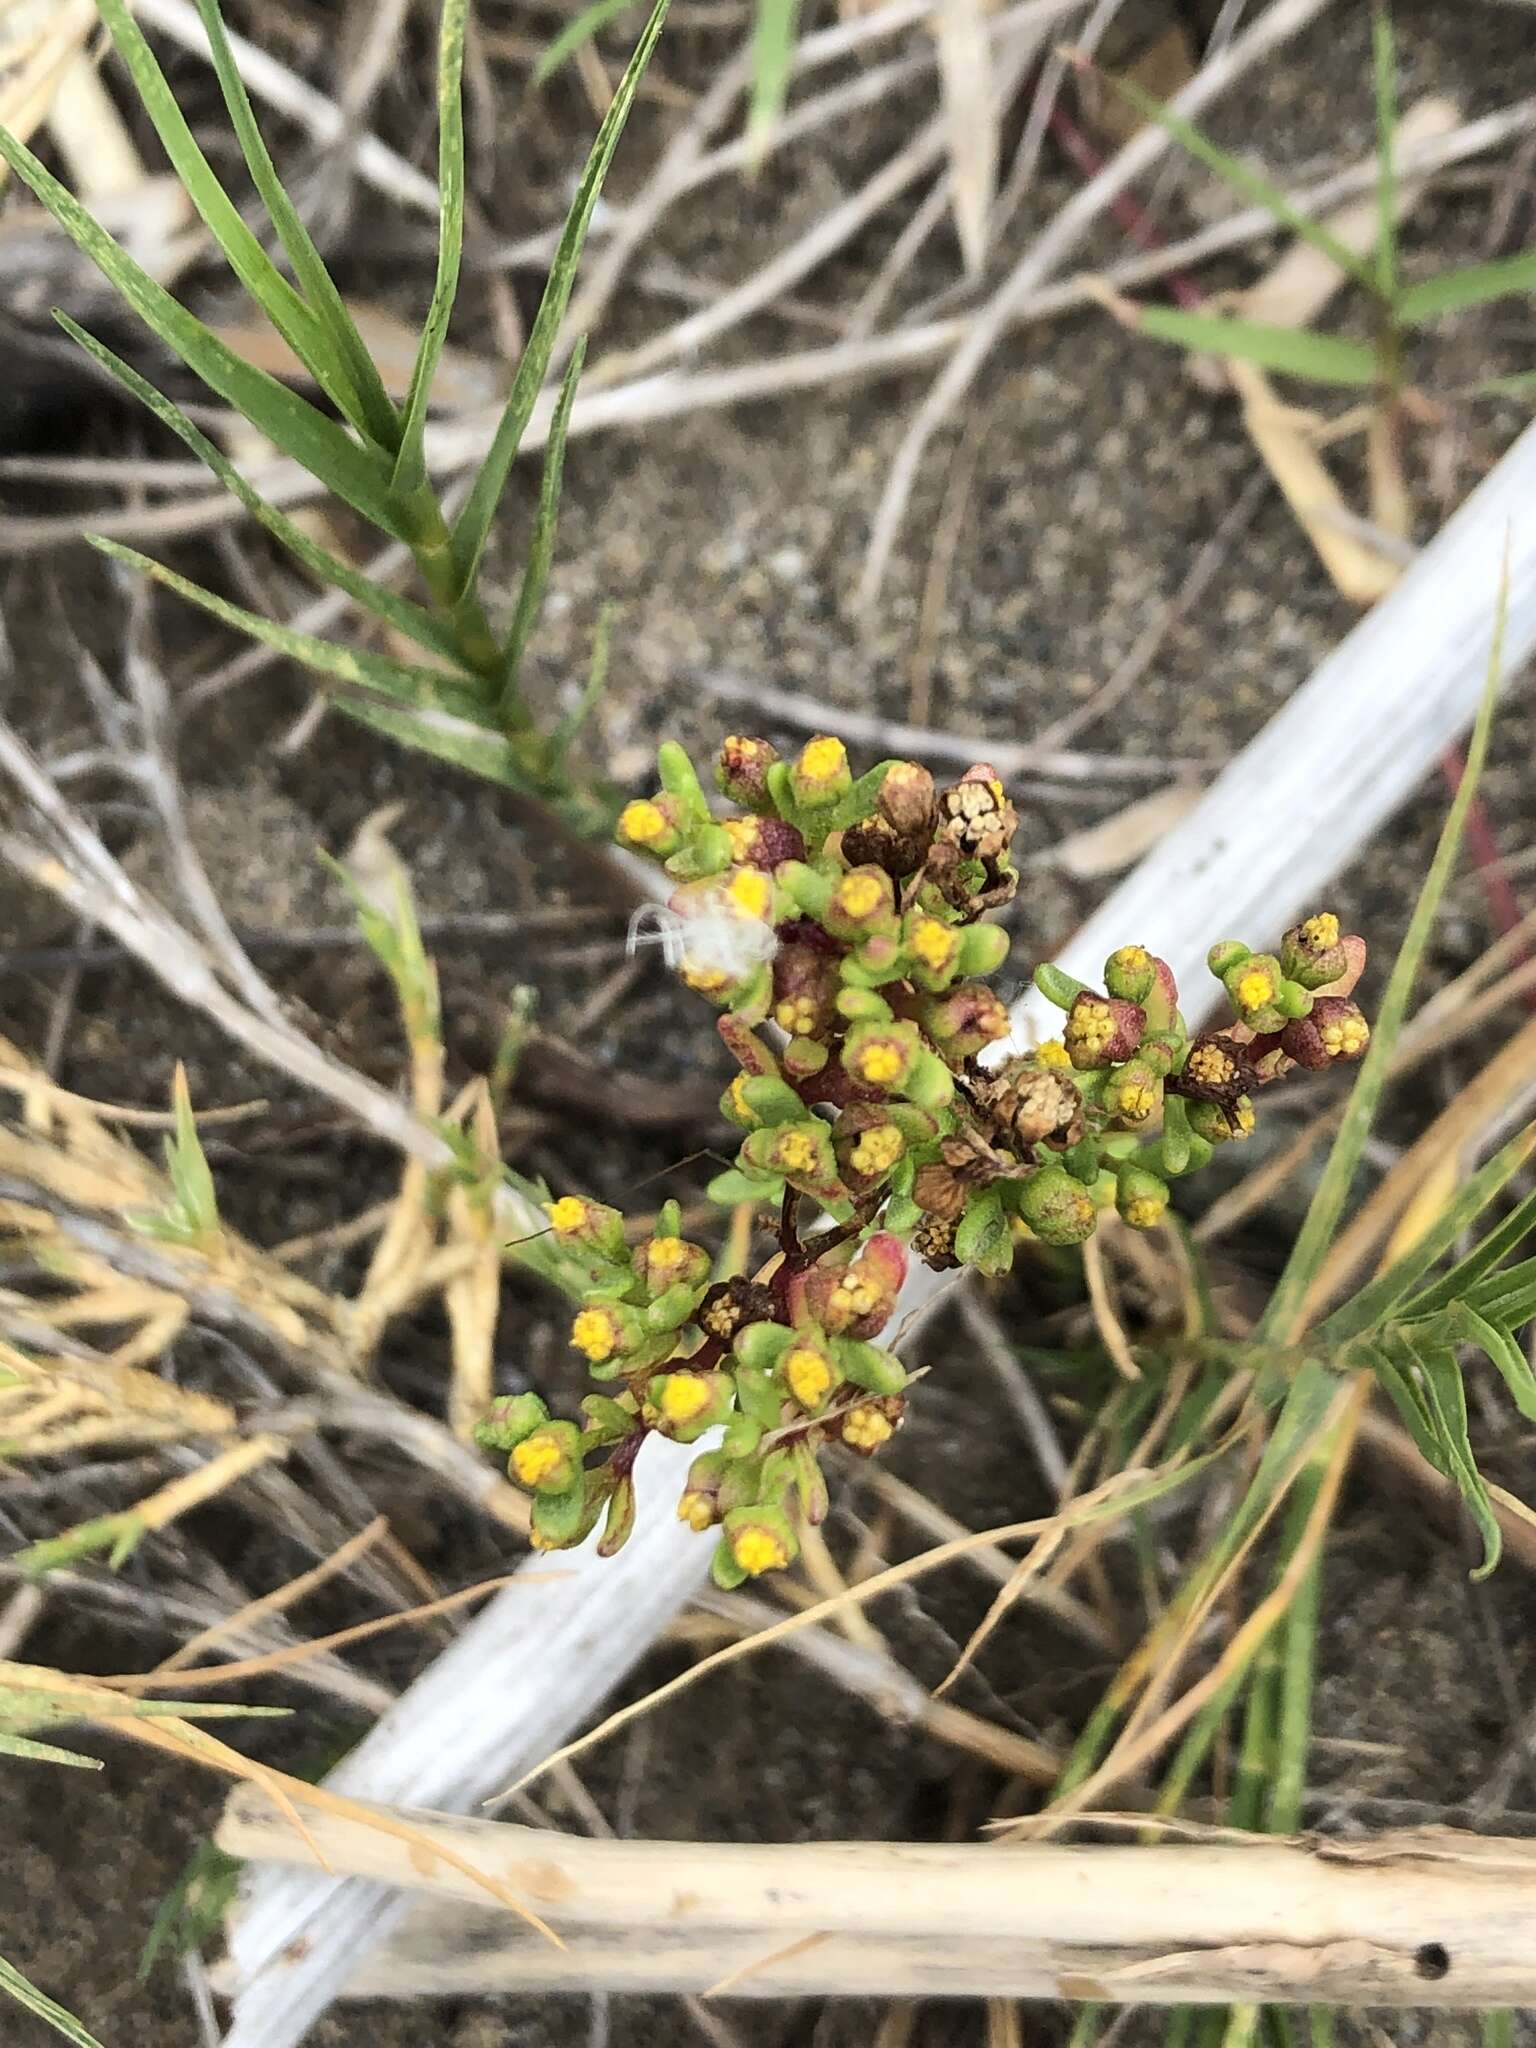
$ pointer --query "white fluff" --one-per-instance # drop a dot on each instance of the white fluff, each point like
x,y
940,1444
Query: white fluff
x,y
704,932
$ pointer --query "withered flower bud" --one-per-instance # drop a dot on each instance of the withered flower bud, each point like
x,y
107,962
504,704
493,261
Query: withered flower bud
x,y
975,815
731,1304
906,799
764,842
741,773
1033,1105
934,1243
1334,1029
1101,1031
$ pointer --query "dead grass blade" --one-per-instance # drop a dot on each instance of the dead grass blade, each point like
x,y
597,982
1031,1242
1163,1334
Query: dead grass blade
x,y
971,118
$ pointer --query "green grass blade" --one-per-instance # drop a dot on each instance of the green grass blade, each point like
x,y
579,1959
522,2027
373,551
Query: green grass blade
x,y
1282,1317
578,30
541,548
1384,66
357,475
1386,1295
422,689
1243,179
1446,1399
293,319
474,522
411,619
1291,351
1499,1347
461,743
1473,286
773,50
410,465
375,416
27,1995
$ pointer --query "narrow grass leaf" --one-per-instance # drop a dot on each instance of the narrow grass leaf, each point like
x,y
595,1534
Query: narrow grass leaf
x,y
541,547
1290,351
458,741
773,50
357,475
1446,1400
1387,1294
27,1995
413,620
1282,1317
410,465
402,681
293,319
375,416
1475,285
474,523
1384,66
1502,1352
1242,178
578,30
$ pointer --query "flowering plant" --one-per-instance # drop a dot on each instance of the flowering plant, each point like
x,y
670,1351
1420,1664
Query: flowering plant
x,y
840,925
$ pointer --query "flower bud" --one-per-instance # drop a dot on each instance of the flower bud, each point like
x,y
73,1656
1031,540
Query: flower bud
x,y
1217,1122
882,1055
933,949
650,825
589,1226
856,1300
1334,1029
1130,973
507,1421
1140,1197
548,1459
1133,1094
700,1506
763,842
867,1144
906,799
1225,955
1254,985
805,988
605,1333
663,1262
682,1405
799,1153
731,1304
809,1373
741,773
1056,1206
873,1423
1313,952
1101,1031
983,948
820,773
961,1023
759,1539
862,903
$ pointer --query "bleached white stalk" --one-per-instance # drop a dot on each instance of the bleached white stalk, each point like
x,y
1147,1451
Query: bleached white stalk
x,y
1406,1920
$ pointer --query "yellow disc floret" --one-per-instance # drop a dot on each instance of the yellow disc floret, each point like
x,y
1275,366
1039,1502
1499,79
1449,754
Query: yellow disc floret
x,y
1144,1212
1255,988
880,1063
823,760
795,1152
1345,1037
798,1015
664,1256
535,1458
642,823
1136,1101
758,1550
697,1510
566,1216
1053,1053
866,1429
742,833
751,891
808,1376
858,895
739,1102
934,944
685,1396
878,1150
1321,931
595,1333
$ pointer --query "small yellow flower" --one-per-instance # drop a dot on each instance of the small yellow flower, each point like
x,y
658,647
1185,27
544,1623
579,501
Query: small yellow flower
x,y
1241,1119
535,1458
866,1429
933,943
758,1550
742,833
858,895
1321,931
1090,1028
684,1396
697,1510
1255,989
1053,1053
567,1215
1144,1211
796,1152
1136,1101
797,1015
880,1064
751,891
854,1296
823,760
707,980
739,1102
1210,1066
595,1333
642,823
808,1376
1345,1037
878,1150
665,1257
